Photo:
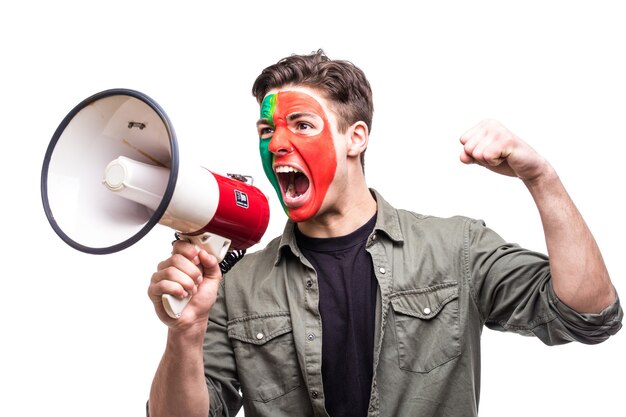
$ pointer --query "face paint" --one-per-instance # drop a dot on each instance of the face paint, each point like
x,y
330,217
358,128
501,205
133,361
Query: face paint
x,y
297,151
267,115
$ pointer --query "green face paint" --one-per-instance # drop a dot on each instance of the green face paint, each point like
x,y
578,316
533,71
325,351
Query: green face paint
x,y
267,158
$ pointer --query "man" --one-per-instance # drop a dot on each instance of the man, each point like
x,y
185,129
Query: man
x,y
358,308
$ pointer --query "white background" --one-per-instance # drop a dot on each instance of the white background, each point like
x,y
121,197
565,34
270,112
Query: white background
x,y
78,334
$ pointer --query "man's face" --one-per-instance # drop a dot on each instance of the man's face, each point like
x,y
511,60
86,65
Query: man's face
x,y
297,150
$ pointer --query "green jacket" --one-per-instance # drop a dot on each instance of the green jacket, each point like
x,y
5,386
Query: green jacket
x,y
440,281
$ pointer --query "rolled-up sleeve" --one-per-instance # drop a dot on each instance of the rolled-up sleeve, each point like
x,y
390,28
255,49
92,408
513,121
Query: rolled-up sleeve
x,y
588,328
512,287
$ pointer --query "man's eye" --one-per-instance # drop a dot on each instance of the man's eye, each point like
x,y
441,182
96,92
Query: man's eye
x,y
265,132
304,126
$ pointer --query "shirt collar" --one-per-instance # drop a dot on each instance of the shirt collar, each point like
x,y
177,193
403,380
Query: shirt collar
x,y
387,222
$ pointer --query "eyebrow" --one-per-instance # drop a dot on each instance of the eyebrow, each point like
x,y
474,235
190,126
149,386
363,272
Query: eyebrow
x,y
294,116
291,117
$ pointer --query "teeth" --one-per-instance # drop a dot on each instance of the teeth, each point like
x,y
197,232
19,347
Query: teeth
x,y
287,182
285,169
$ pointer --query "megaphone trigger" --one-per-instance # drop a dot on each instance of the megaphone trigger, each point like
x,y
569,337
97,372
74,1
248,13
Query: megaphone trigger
x,y
212,243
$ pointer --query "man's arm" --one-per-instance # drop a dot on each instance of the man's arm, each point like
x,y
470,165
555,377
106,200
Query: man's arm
x,y
179,386
579,276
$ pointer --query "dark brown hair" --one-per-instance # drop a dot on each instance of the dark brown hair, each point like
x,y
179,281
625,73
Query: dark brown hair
x,y
341,82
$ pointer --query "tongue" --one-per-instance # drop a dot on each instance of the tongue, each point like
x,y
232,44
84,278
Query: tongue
x,y
301,183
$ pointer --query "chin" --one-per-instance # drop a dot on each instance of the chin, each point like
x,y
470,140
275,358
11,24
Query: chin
x,y
303,213
299,217
303,210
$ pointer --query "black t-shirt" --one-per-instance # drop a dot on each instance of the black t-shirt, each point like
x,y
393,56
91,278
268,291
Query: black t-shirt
x,y
347,287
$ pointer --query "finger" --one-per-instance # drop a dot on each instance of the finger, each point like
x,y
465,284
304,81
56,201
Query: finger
x,y
157,289
186,280
466,158
156,292
485,143
479,146
473,142
495,153
473,149
186,249
499,145
470,133
466,155
185,265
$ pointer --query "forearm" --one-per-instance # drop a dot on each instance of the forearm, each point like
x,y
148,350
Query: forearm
x,y
179,387
579,276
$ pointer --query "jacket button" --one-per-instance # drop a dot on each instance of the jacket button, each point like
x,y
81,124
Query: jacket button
x,y
309,283
314,394
259,336
426,310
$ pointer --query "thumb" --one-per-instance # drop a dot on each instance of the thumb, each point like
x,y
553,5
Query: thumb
x,y
210,267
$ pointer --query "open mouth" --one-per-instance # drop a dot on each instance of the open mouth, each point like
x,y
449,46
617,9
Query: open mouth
x,y
293,183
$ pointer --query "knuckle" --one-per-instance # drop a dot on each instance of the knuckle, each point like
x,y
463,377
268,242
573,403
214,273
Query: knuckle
x,y
177,258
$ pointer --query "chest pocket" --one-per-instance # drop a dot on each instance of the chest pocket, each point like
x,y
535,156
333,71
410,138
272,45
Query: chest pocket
x,y
427,326
265,354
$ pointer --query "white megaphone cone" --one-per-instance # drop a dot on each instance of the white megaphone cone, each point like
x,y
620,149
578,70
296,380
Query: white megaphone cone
x,y
112,172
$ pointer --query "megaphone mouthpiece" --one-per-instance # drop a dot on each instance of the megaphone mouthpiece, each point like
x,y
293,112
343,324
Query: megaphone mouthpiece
x,y
136,181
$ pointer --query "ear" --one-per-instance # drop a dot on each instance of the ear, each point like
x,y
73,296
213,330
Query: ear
x,y
358,139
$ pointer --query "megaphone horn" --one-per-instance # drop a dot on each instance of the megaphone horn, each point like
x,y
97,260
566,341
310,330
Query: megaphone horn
x,y
112,172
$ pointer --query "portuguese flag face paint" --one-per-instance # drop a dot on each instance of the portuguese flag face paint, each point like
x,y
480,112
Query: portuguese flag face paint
x,y
267,115
297,151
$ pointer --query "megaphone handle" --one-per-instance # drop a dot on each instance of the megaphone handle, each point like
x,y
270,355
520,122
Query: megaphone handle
x,y
213,244
174,306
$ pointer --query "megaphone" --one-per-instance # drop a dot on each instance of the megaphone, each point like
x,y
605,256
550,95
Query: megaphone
x,y
112,172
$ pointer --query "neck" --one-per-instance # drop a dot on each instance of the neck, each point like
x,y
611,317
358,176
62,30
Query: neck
x,y
355,208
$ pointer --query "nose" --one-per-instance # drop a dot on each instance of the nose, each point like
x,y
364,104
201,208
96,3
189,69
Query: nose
x,y
280,143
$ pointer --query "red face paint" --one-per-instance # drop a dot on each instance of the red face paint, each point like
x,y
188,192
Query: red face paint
x,y
297,143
